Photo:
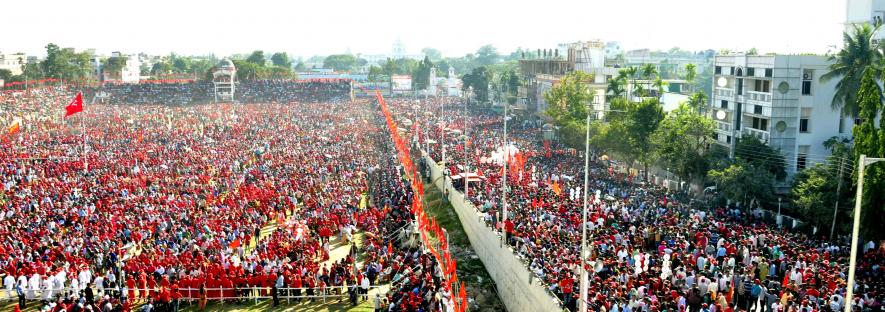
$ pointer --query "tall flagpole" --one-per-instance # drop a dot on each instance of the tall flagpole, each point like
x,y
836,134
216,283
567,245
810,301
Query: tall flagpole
x,y
83,129
504,180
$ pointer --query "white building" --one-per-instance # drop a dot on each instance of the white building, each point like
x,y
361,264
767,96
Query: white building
x,y
780,100
612,49
13,62
864,11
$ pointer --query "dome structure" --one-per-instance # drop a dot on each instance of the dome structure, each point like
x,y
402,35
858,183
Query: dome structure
x,y
226,64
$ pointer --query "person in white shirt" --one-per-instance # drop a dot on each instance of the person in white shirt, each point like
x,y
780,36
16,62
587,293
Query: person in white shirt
x,y
9,283
34,286
48,287
85,276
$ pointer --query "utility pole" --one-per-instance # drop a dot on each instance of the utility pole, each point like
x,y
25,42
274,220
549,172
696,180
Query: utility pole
x,y
838,193
504,181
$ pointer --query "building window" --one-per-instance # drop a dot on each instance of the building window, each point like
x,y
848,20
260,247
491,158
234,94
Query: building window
x,y
766,86
802,157
804,116
757,85
757,109
768,72
806,88
751,71
807,77
718,70
723,104
728,139
760,123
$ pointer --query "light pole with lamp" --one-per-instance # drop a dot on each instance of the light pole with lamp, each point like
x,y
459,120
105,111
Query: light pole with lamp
x,y
779,222
505,158
849,296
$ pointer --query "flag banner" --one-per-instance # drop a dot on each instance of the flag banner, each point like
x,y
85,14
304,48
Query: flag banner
x,y
75,106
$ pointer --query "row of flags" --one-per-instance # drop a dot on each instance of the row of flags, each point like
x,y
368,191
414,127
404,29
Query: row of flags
x,y
75,106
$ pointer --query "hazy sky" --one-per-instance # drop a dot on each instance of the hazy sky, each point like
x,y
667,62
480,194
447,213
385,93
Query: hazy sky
x,y
455,27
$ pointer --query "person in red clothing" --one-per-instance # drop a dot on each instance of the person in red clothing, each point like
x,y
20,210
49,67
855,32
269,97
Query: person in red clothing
x,y
130,283
142,286
152,287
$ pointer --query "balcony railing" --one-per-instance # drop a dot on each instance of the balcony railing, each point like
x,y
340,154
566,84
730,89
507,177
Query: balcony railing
x,y
759,96
725,92
763,136
724,126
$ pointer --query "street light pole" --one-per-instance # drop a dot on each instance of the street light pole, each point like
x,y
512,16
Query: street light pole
x,y
583,283
504,180
849,296
778,212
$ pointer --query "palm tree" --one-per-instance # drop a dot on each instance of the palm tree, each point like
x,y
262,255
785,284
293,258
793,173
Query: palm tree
x,y
659,85
649,71
691,73
631,72
849,64
615,87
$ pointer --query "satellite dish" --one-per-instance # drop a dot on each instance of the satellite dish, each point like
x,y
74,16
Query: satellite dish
x,y
783,87
720,115
722,82
780,126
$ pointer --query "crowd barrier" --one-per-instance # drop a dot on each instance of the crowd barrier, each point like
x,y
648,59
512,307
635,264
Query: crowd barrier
x,y
519,289
254,294
426,225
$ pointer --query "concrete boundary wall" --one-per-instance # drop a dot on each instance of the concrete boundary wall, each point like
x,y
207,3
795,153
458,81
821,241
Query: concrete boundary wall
x,y
518,288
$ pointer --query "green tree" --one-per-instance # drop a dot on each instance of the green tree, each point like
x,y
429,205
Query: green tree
x,y
858,54
743,182
113,66
870,141
615,88
5,74
631,73
66,63
281,59
340,62
567,105
681,142
434,54
691,74
487,55
375,73
478,79
697,101
257,58
761,155
300,66
180,64
643,119
421,74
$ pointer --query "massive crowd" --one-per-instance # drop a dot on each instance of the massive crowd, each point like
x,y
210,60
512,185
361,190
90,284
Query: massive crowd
x,y
168,202
652,250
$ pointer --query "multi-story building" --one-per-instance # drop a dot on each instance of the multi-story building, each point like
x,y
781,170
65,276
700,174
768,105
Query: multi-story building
x,y
865,11
780,100
13,62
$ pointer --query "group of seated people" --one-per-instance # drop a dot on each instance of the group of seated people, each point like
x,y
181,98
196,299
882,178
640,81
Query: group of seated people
x,y
651,249
167,205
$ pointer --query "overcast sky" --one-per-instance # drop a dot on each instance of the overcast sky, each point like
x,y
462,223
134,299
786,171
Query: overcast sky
x,y
456,27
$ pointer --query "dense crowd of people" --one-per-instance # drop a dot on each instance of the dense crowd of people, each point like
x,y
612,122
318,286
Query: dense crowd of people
x,y
167,203
651,250
201,92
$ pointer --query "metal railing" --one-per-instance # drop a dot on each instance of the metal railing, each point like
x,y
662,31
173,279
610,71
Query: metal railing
x,y
193,294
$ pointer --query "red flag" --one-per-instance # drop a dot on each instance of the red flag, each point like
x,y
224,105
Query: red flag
x,y
75,106
235,243
14,127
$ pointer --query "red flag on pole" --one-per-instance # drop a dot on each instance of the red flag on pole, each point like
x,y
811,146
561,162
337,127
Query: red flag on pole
x,y
75,106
